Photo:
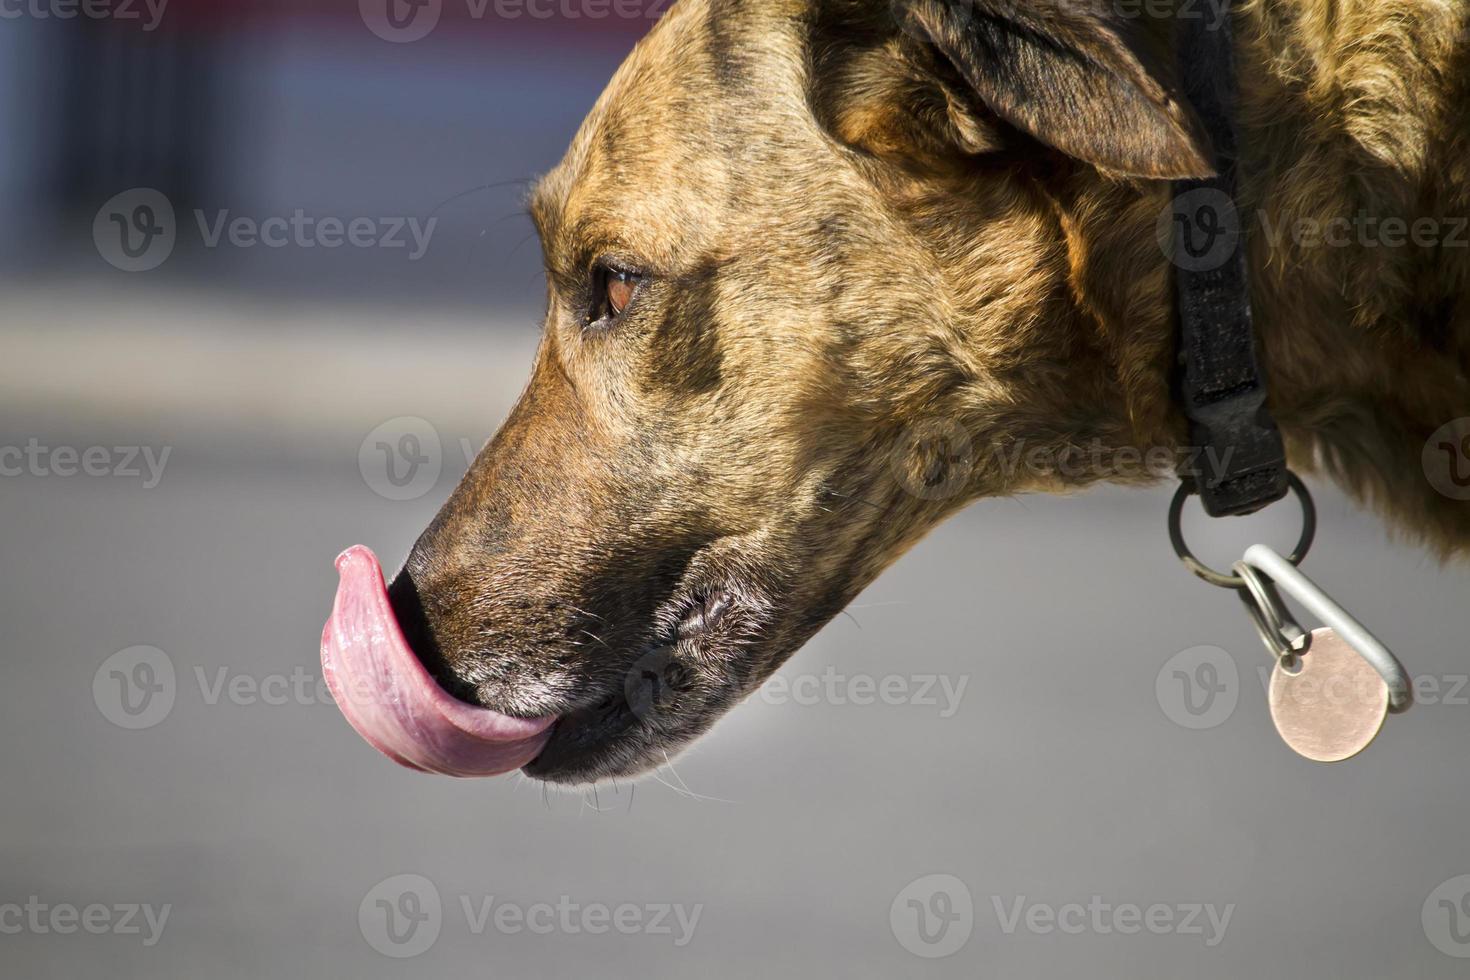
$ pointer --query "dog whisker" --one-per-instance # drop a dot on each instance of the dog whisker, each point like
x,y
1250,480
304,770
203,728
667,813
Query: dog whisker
x,y
522,181
860,500
594,636
586,613
686,791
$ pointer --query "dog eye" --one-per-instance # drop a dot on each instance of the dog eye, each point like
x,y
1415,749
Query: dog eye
x,y
619,290
613,291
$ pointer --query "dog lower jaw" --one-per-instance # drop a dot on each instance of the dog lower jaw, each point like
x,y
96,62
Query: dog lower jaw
x,y
589,745
619,736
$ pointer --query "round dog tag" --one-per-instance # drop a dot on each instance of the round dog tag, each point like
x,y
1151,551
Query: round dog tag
x,y
1333,706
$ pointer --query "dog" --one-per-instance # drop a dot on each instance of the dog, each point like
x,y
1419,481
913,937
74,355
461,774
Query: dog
x,y
821,272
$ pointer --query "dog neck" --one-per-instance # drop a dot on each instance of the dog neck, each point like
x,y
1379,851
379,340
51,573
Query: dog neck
x,y
1353,140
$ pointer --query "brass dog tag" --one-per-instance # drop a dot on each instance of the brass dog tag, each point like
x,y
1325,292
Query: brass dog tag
x,y
1333,706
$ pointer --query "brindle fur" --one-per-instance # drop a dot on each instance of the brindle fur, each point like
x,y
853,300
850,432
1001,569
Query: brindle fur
x,y
859,220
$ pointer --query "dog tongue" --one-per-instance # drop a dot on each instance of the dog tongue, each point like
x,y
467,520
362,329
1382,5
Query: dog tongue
x,y
391,700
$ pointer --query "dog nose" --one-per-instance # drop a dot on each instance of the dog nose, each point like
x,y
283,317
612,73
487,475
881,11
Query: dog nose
x,y
408,608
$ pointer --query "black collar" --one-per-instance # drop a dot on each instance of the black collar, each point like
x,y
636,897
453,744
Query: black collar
x,y
1239,464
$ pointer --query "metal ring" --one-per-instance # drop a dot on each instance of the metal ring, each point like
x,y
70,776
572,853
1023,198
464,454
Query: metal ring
x,y
1176,534
1283,635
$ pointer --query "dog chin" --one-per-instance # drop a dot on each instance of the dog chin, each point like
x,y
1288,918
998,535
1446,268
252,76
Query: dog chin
x,y
604,743
660,708
671,694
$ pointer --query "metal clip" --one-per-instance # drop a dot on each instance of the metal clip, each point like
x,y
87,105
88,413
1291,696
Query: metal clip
x,y
1283,635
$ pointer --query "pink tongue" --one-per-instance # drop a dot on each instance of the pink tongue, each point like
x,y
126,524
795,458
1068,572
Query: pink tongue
x,y
391,700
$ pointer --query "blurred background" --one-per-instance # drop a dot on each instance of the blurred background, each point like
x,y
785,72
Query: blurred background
x,y
195,383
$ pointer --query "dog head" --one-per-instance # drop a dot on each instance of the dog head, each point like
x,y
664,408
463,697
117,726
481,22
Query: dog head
x,y
810,265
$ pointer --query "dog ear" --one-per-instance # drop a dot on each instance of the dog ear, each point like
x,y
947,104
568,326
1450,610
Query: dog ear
x,y
890,101
1070,74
